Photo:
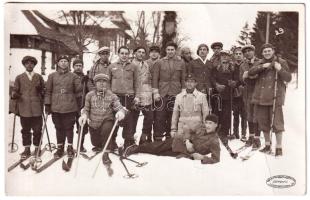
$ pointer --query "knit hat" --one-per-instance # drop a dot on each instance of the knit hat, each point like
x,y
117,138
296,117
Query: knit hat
x,y
63,57
101,77
103,49
216,44
76,61
202,45
225,52
267,45
212,117
29,58
190,77
248,47
155,48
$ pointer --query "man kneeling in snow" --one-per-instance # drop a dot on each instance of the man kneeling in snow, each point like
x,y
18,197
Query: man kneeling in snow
x,y
197,145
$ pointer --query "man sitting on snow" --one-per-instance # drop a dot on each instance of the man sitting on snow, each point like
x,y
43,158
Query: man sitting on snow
x,y
198,145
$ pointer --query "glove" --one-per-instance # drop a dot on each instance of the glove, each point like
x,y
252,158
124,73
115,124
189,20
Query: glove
x,y
48,109
220,88
173,133
15,95
197,156
277,66
266,65
156,95
245,75
85,79
82,120
232,83
189,146
136,101
120,115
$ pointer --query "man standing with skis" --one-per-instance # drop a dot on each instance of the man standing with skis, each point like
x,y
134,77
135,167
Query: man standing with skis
x,y
249,84
167,81
62,87
144,97
239,111
100,105
28,91
78,70
122,76
269,94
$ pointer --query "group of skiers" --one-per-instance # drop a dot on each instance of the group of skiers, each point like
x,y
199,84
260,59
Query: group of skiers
x,y
187,103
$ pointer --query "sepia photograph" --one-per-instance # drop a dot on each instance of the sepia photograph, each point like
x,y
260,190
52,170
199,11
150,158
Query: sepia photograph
x,y
154,99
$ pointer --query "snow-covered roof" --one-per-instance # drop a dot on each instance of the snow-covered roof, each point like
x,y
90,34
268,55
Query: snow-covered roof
x,y
20,25
103,22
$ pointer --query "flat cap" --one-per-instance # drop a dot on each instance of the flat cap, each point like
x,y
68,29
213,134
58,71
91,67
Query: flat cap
x,y
29,58
63,57
216,44
249,46
101,77
103,49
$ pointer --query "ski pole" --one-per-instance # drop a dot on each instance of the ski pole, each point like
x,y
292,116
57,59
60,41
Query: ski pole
x,y
51,146
13,147
105,146
78,149
37,161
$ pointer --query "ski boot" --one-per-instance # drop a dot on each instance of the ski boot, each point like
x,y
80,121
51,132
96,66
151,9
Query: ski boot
x,y
82,149
26,153
249,142
278,152
128,142
243,138
96,149
256,143
266,149
236,136
70,151
130,150
60,151
37,151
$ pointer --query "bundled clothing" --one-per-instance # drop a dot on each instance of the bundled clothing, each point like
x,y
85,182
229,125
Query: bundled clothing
x,y
62,87
202,71
204,143
263,95
222,76
98,68
145,96
99,109
123,83
239,110
29,92
168,81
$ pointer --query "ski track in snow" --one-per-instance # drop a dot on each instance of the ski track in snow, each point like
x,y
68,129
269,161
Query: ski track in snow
x,y
168,175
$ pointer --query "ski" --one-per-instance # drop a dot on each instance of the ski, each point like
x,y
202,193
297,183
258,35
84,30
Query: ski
x,y
48,164
67,165
14,165
231,153
139,164
25,167
241,149
87,157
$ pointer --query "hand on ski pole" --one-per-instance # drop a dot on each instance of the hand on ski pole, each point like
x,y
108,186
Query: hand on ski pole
x,y
277,66
197,156
120,115
82,120
266,65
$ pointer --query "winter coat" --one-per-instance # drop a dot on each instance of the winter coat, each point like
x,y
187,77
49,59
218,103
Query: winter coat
x,y
122,78
221,77
100,108
189,109
205,143
30,101
249,83
169,76
144,83
215,60
265,83
239,87
61,90
151,64
202,73
97,68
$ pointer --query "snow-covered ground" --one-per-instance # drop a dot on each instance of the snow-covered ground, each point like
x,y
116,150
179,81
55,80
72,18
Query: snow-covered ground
x,y
168,175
